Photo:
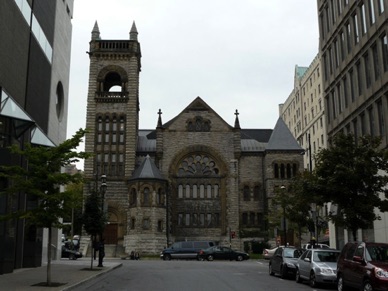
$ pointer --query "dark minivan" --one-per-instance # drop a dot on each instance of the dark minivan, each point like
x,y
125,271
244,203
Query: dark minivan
x,y
363,265
185,249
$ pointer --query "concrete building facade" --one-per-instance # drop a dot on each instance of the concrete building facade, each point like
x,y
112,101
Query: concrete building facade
x,y
34,79
354,50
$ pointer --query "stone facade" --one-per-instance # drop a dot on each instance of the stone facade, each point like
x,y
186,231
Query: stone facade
x,y
194,177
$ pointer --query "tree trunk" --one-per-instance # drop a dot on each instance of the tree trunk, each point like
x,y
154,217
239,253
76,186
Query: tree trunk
x,y
49,257
354,233
92,252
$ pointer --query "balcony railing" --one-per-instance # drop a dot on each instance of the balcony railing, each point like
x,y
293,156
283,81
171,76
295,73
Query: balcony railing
x,y
112,97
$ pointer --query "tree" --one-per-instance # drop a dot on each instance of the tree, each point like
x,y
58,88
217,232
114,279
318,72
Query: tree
x,y
41,180
93,218
75,217
349,174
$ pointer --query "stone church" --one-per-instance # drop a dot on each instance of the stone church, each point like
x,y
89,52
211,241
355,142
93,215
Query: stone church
x,y
194,177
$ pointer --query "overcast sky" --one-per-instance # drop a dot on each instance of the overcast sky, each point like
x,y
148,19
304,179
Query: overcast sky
x,y
234,54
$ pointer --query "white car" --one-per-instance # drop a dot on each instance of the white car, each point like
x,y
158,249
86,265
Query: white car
x,y
317,266
317,246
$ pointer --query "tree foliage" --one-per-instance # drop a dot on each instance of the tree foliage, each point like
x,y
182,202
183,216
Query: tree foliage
x,y
349,174
40,179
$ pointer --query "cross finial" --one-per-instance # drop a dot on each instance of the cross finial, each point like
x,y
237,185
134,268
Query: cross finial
x,y
160,118
236,122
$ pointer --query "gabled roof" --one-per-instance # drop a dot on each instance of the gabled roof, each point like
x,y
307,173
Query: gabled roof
x,y
147,170
196,105
282,139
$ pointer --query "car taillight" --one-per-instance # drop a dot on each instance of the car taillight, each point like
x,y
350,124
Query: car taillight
x,y
201,252
265,252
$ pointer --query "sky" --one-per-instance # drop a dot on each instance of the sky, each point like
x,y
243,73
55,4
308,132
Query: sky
x,y
234,54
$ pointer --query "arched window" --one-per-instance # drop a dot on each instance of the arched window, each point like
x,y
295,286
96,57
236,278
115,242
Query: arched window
x,y
276,171
180,191
209,191
246,193
195,191
146,196
187,191
133,197
289,175
202,191
216,193
282,171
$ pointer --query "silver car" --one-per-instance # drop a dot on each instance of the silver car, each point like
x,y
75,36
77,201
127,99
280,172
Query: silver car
x,y
317,266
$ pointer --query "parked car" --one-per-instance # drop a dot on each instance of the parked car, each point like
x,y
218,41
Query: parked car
x,y
317,246
317,266
268,253
283,262
185,250
221,253
363,265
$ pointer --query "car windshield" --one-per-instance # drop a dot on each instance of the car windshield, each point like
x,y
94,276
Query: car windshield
x,y
377,253
328,257
291,253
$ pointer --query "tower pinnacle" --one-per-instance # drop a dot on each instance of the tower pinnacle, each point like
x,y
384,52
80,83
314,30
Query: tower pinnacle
x,y
95,32
133,33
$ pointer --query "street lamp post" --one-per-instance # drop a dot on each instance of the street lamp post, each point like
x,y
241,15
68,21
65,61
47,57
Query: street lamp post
x,y
101,248
284,216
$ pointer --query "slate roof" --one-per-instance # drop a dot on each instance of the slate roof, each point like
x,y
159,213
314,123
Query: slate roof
x,y
147,170
282,139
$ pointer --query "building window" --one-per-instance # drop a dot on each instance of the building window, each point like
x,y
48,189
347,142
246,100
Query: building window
x,y
371,121
367,70
351,85
246,194
355,28
146,197
160,225
384,48
252,218
180,191
256,193
359,78
133,197
187,191
195,191
381,6
376,63
245,218
372,12
380,113
187,219
348,37
146,223
180,219
363,19
133,221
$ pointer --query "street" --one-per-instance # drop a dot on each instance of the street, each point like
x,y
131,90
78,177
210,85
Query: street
x,y
194,275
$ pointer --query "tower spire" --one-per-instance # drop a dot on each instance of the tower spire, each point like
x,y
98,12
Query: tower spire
x,y
95,32
133,33
160,119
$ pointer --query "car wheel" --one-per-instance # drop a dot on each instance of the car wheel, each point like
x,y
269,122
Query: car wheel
x,y
210,258
239,258
340,284
283,272
167,257
271,273
313,282
367,286
298,279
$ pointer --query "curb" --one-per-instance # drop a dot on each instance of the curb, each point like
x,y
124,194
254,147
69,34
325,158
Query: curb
x,y
92,277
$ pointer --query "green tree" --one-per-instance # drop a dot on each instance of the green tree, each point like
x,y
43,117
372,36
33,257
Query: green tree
x,y
75,216
93,218
40,180
349,174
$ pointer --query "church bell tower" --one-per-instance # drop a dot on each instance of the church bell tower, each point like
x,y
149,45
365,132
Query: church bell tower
x,y
112,122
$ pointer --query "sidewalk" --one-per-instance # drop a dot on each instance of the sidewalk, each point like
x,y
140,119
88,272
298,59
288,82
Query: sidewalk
x,y
67,272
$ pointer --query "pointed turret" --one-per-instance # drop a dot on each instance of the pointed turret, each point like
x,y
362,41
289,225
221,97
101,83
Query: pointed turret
x,y
133,33
95,32
282,138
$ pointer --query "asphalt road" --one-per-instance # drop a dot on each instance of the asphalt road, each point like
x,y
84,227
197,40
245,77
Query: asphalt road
x,y
184,275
